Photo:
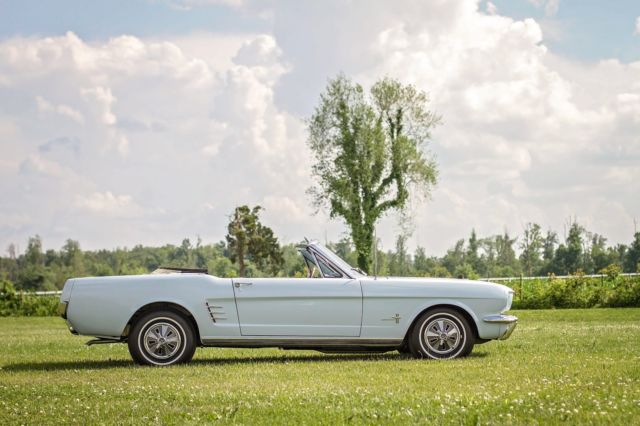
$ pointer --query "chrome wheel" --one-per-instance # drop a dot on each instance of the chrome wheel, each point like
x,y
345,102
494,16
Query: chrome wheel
x,y
442,336
162,340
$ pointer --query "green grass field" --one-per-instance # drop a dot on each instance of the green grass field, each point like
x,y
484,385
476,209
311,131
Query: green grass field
x,y
576,366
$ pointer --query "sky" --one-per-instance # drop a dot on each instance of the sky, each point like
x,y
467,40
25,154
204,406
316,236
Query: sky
x,y
144,122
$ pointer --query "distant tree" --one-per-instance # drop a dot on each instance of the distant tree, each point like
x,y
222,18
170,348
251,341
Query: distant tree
x,y
454,259
632,256
600,257
344,249
531,245
221,267
33,274
619,253
293,264
12,251
369,151
573,257
505,255
247,238
472,256
183,254
549,246
34,256
489,257
421,262
72,257
400,261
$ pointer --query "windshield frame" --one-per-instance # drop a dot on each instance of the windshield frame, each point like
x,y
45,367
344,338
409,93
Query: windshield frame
x,y
335,261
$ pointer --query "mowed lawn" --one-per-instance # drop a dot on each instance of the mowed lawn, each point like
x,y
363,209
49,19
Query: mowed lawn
x,y
576,366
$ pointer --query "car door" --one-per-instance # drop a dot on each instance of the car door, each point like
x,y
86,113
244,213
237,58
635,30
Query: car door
x,y
306,307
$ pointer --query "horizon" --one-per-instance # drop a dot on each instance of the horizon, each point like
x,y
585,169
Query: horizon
x,y
139,122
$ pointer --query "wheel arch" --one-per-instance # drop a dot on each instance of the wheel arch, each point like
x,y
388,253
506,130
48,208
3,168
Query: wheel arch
x,y
460,309
159,306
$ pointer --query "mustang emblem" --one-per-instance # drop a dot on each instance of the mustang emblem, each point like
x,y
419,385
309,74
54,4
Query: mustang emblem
x,y
396,317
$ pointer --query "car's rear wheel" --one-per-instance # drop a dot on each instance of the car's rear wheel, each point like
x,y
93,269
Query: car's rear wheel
x,y
441,333
162,338
404,348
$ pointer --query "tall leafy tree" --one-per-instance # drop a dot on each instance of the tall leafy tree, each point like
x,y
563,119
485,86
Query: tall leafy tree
x,y
369,151
247,238
531,245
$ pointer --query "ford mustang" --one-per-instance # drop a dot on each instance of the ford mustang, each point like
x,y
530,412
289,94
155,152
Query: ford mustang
x,y
165,315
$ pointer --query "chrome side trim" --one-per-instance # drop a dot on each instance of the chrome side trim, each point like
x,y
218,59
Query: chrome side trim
x,y
215,312
300,342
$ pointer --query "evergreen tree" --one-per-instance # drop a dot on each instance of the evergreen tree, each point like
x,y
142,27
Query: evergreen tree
x,y
531,245
632,256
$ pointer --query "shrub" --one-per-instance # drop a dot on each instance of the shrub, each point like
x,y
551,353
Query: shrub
x,y
20,304
579,291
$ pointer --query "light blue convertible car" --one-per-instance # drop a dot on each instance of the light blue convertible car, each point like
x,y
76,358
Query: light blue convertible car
x,y
165,315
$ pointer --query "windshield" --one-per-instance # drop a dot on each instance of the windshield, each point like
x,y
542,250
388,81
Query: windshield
x,y
336,260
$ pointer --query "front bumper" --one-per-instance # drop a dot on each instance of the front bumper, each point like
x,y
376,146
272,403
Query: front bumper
x,y
508,323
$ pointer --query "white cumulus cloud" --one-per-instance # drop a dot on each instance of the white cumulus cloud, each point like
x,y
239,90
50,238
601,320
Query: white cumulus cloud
x,y
177,131
107,202
64,110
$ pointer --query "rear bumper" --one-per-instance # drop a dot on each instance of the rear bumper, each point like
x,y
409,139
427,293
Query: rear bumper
x,y
508,324
62,309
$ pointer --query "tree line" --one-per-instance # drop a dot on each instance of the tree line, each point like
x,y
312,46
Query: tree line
x,y
370,156
532,253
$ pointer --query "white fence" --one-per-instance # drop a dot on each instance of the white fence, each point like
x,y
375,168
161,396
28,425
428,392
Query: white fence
x,y
522,278
497,280
42,293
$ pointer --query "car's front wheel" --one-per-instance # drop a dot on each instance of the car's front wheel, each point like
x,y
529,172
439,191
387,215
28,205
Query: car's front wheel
x,y
441,333
162,338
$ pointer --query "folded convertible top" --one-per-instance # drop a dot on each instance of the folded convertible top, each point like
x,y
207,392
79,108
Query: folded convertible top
x,y
172,270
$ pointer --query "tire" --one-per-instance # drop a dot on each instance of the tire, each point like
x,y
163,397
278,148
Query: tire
x,y
455,341
162,338
404,349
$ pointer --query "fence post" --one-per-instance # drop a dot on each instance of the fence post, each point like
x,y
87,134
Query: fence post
x,y
521,286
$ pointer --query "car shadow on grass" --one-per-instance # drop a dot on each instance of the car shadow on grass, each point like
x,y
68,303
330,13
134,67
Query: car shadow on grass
x,y
286,359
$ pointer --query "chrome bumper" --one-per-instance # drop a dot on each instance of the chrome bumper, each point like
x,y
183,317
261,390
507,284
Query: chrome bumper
x,y
62,309
509,321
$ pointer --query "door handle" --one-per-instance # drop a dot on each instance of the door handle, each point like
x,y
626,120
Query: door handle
x,y
237,285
